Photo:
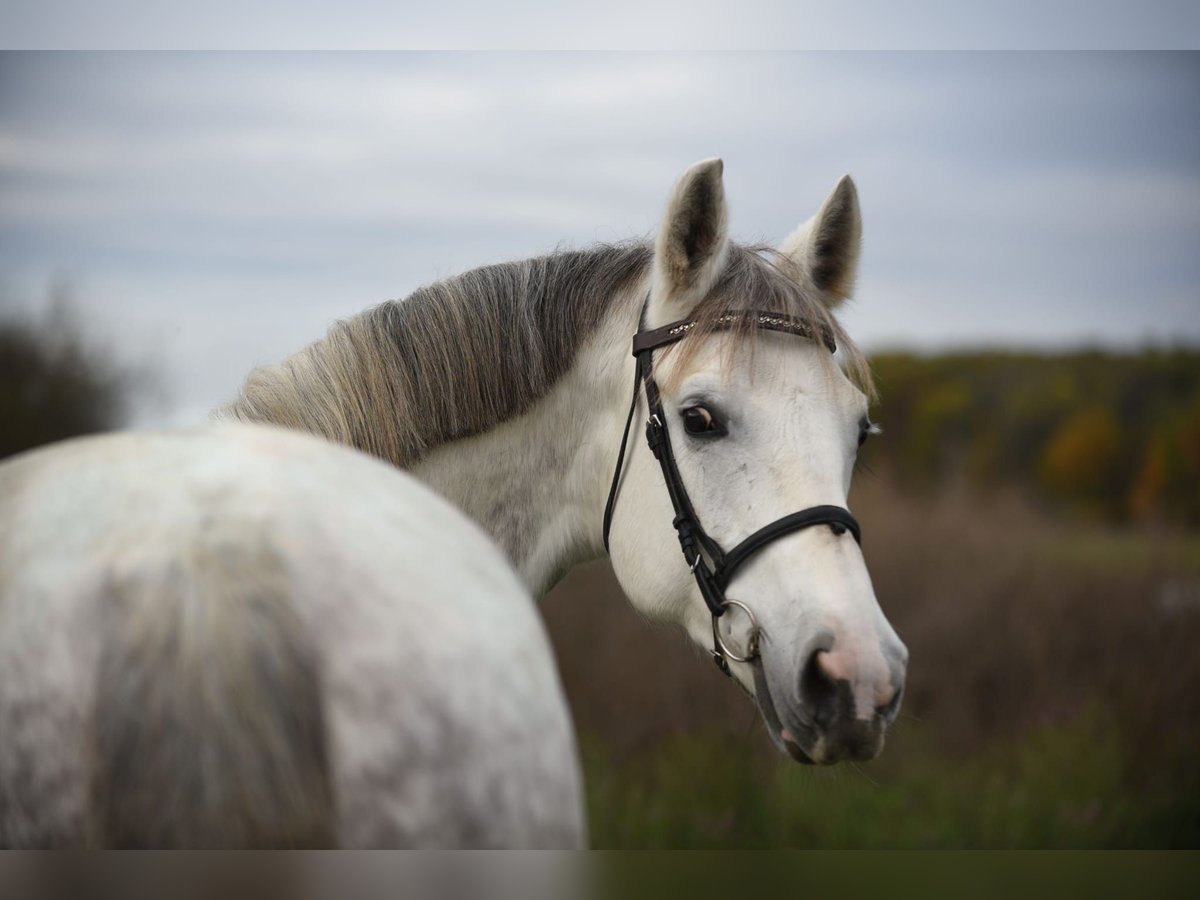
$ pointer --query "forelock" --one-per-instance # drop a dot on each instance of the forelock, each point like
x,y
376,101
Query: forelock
x,y
760,278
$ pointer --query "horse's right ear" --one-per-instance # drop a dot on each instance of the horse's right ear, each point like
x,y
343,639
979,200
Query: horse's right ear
x,y
690,249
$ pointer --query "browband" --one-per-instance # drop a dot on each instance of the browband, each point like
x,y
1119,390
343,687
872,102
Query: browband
x,y
765,321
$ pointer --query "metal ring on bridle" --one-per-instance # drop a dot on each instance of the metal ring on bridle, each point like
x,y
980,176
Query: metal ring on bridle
x,y
752,650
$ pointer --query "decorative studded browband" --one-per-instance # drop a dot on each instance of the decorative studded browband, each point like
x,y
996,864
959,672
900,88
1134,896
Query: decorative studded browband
x,y
711,566
652,338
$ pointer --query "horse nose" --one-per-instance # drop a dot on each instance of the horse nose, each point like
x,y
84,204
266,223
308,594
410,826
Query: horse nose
x,y
837,685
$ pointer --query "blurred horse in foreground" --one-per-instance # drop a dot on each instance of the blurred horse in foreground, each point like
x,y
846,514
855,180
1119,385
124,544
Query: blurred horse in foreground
x,y
242,636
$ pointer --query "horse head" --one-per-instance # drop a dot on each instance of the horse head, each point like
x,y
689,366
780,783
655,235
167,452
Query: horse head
x,y
761,423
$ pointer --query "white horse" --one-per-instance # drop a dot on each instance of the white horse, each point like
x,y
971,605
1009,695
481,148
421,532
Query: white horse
x,y
506,390
245,636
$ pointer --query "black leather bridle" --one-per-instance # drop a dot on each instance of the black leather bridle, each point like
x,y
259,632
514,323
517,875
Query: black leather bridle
x,y
713,567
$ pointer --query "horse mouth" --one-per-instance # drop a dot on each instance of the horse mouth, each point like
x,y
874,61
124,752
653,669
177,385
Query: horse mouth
x,y
780,735
795,751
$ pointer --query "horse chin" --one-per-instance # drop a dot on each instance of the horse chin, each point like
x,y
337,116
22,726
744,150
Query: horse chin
x,y
780,736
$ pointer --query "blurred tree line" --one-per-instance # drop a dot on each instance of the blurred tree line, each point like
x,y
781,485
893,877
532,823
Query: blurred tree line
x,y
57,380
1113,436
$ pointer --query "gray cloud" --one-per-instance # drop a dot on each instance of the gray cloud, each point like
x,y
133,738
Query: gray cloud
x,y
224,208
630,24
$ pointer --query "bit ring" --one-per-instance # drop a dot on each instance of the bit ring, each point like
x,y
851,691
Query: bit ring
x,y
752,650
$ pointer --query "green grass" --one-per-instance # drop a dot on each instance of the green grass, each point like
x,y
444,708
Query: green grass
x,y
1071,785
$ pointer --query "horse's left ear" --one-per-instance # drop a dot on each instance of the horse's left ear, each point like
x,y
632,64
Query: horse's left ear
x,y
825,248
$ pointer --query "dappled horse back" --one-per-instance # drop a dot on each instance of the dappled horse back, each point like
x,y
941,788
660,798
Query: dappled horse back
x,y
208,728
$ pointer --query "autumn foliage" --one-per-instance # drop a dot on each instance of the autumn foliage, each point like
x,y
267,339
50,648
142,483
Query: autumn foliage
x,y
1106,435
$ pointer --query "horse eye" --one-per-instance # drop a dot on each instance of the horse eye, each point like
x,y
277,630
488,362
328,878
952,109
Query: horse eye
x,y
698,420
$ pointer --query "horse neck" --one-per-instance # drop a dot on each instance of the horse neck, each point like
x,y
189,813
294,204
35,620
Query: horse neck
x,y
538,482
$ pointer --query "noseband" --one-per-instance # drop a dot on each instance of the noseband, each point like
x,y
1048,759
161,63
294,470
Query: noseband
x,y
711,566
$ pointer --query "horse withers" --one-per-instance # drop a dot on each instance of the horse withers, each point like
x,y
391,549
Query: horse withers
x,y
241,636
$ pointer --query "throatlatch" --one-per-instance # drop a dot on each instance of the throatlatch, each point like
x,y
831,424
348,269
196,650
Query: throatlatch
x,y
711,566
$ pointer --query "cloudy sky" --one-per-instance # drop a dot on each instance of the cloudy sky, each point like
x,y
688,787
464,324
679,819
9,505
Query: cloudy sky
x,y
212,212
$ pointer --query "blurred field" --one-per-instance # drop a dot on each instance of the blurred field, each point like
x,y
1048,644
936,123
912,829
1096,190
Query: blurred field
x,y
1053,695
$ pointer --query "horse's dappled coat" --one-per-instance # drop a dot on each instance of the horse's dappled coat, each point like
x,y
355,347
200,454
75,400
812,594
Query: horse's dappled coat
x,y
244,636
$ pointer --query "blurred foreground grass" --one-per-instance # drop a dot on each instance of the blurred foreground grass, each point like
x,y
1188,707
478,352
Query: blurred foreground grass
x,y
1072,785
1053,696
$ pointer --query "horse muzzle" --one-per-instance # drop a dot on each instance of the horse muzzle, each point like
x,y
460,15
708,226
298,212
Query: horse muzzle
x,y
838,711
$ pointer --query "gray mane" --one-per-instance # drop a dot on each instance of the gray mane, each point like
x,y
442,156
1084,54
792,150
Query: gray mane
x,y
450,360
457,357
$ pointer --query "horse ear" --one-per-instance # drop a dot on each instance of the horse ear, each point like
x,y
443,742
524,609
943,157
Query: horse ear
x,y
690,249
825,248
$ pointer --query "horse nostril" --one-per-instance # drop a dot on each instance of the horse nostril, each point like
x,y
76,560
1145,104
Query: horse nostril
x,y
887,711
819,687
827,688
